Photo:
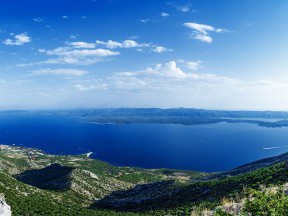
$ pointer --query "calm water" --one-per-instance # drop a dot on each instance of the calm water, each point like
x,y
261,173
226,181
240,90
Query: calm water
x,y
213,147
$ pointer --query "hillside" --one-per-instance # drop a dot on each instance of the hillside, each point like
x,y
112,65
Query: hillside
x,y
37,183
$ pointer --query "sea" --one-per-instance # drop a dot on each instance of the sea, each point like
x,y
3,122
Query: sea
x,y
206,147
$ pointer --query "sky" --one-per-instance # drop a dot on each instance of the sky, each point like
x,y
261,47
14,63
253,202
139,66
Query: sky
x,y
224,54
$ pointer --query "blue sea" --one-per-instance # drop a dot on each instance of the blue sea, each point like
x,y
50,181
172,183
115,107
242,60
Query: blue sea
x,y
211,147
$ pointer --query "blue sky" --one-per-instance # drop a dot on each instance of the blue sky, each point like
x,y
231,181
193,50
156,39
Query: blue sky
x,y
141,53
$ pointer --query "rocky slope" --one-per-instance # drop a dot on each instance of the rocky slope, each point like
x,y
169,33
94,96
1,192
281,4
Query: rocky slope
x,y
5,209
75,180
37,183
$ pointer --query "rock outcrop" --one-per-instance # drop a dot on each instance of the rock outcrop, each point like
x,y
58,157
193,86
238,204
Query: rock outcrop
x,y
5,209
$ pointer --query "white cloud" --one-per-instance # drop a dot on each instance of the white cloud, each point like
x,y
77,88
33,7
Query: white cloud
x,y
183,9
19,40
38,19
167,84
169,69
76,53
73,36
202,37
132,44
160,49
134,37
201,31
80,44
68,55
65,17
163,14
110,44
170,85
192,65
84,53
84,88
168,80
72,55
201,28
125,44
144,20
60,71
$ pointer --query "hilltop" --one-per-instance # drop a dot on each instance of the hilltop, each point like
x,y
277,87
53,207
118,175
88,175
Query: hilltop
x,y
34,182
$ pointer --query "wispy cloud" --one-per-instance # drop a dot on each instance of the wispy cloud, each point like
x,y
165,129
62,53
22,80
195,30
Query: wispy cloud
x,y
175,83
172,70
38,19
132,44
85,53
81,44
202,37
72,55
85,88
203,29
144,20
161,49
68,55
73,36
164,14
202,32
125,44
192,65
18,40
169,78
60,72
183,9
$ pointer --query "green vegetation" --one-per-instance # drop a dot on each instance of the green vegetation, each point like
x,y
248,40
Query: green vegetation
x,y
267,202
35,183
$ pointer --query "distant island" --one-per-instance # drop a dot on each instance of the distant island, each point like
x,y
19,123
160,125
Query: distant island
x,y
184,116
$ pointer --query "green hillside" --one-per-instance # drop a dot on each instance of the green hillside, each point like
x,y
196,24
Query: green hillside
x,y
35,183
